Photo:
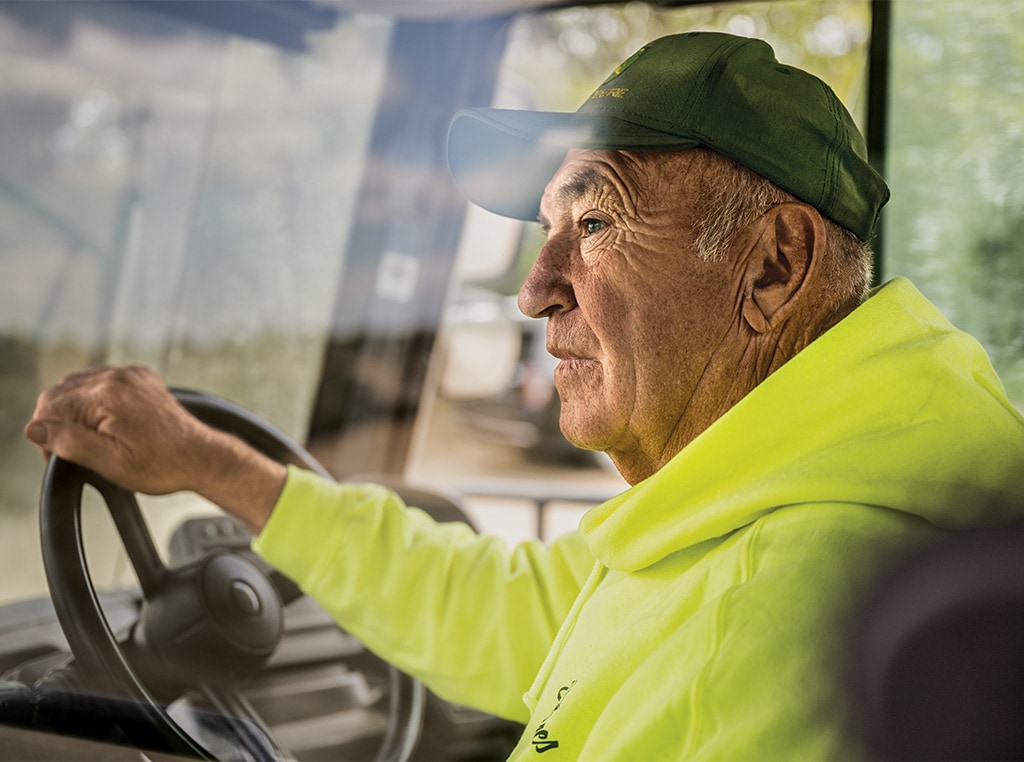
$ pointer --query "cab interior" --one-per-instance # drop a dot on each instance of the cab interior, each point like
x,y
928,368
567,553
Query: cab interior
x,y
251,197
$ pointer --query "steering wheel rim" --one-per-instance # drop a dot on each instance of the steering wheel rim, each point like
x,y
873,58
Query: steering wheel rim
x,y
96,647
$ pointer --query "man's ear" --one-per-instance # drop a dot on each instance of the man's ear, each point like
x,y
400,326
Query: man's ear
x,y
780,262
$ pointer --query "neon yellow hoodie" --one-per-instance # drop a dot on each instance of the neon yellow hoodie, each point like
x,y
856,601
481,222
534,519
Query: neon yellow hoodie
x,y
701,613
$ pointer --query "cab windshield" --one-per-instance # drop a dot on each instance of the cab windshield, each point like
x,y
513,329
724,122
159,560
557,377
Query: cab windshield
x,y
259,209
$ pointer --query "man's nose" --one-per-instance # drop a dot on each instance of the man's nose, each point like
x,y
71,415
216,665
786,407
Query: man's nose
x,y
548,287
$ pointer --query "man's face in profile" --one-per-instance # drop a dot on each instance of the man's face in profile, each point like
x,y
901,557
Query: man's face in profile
x,y
634,316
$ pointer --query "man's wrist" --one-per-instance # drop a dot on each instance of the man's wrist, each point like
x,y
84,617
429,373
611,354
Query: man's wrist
x,y
240,480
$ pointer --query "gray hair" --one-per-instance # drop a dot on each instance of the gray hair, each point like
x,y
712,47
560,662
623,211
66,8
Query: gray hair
x,y
734,196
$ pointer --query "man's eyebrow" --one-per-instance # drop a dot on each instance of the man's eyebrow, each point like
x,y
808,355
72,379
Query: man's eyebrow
x,y
587,180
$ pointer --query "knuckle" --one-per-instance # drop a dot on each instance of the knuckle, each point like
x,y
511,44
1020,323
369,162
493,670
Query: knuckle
x,y
116,380
119,374
131,374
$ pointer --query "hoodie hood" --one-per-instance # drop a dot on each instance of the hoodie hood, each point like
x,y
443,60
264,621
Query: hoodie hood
x,y
893,408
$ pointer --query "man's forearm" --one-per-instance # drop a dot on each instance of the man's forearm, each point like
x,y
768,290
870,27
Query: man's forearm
x,y
240,480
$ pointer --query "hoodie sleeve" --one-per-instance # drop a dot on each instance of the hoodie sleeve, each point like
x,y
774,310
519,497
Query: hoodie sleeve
x,y
458,610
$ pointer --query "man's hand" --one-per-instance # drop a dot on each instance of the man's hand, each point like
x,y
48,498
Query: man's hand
x,y
124,423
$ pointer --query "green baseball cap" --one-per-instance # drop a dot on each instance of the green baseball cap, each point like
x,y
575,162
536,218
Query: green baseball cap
x,y
682,91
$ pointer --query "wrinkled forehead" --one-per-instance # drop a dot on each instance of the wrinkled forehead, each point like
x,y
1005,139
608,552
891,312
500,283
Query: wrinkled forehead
x,y
632,179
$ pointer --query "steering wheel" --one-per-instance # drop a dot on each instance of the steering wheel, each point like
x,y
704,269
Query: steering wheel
x,y
204,625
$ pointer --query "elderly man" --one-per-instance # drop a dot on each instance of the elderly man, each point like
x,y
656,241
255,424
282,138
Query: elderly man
x,y
705,281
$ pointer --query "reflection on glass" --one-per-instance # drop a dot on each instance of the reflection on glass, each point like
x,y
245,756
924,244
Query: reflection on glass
x,y
171,195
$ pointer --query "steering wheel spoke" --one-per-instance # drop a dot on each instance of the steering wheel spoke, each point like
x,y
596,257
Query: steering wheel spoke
x,y
138,543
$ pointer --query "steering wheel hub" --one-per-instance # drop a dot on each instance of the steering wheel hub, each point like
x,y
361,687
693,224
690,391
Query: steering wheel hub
x,y
220,618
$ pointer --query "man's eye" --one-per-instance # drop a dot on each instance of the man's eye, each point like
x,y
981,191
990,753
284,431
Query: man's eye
x,y
590,226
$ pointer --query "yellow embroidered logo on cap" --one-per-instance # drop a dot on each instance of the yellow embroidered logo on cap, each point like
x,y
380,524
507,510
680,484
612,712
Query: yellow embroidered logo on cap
x,y
609,92
624,65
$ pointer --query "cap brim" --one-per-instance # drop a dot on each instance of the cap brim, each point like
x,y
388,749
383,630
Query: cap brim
x,y
502,159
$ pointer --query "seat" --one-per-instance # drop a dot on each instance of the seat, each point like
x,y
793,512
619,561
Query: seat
x,y
439,505
938,657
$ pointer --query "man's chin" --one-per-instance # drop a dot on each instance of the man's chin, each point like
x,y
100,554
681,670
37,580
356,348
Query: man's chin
x,y
583,436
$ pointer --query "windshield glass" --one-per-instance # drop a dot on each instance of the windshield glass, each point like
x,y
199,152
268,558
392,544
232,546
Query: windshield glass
x,y
172,195
474,410
208,201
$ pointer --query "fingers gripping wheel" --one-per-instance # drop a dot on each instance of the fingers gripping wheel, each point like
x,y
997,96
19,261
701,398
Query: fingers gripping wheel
x,y
204,626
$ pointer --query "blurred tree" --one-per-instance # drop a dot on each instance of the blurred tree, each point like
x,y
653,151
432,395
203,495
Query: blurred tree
x,y
956,167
